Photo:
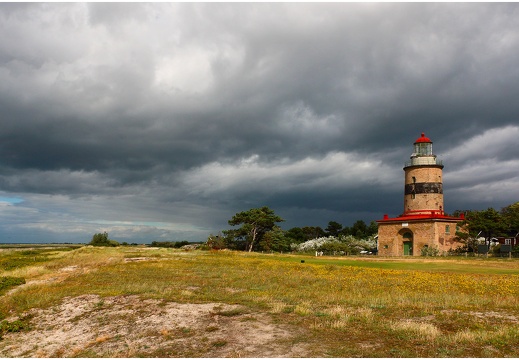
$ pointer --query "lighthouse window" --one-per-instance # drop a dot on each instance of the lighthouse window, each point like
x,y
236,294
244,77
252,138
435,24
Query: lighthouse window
x,y
423,149
447,229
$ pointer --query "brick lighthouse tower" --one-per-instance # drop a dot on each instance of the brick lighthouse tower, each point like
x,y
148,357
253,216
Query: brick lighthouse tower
x,y
424,222
423,180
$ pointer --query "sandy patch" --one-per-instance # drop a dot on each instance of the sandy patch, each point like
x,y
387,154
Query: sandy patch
x,y
128,326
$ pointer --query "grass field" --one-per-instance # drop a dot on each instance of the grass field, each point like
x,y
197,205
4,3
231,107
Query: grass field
x,y
339,307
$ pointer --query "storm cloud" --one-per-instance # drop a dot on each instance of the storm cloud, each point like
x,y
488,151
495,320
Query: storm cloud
x,y
161,121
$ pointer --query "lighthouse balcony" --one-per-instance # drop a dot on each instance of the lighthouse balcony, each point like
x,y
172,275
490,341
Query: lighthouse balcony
x,y
423,160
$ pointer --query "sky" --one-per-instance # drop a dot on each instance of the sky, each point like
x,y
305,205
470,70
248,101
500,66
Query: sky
x,y
159,122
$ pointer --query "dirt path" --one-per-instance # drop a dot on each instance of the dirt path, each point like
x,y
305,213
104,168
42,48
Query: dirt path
x,y
127,326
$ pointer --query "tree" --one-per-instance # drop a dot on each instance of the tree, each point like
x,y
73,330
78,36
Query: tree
x,y
295,235
102,240
359,229
510,216
372,228
255,223
487,223
333,228
466,237
235,239
275,240
313,232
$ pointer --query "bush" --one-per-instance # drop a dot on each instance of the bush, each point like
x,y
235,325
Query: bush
x,y
343,245
102,240
179,244
495,249
430,251
13,326
7,282
216,242
313,245
169,244
461,250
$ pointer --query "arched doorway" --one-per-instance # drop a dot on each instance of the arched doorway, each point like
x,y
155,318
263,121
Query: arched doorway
x,y
407,241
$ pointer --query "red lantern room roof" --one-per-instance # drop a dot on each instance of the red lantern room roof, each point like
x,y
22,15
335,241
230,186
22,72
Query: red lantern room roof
x,y
423,139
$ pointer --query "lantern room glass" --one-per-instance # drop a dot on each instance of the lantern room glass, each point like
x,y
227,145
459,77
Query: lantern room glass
x,y
423,149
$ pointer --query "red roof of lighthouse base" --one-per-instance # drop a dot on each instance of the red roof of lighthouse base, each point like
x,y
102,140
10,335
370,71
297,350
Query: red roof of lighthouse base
x,y
423,216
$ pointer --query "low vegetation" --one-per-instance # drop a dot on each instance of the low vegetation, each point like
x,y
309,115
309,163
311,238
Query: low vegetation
x,y
334,307
7,282
170,244
13,326
16,259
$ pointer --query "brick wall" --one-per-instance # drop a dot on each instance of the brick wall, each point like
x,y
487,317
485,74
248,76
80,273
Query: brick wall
x,y
433,233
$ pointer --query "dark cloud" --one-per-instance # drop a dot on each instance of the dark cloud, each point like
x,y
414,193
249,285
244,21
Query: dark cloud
x,y
163,120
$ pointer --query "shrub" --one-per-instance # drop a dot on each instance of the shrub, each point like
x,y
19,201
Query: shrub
x,y
13,326
216,242
348,245
495,249
461,250
169,244
102,240
430,251
179,244
7,282
313,245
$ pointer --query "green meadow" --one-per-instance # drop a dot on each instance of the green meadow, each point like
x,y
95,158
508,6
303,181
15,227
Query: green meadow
x,y
340,306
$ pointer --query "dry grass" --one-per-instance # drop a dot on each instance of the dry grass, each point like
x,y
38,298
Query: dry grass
x,y
419,330
461,309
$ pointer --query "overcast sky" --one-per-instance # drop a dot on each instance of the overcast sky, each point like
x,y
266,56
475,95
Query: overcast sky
x,y
161,121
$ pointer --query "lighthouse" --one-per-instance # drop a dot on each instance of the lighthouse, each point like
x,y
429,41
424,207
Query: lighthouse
x,y
423,180
423,223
